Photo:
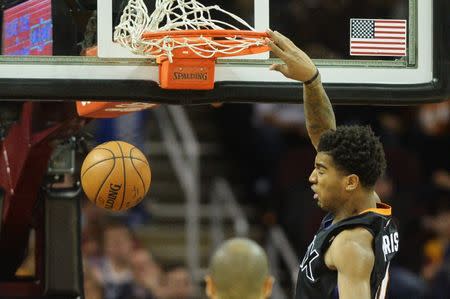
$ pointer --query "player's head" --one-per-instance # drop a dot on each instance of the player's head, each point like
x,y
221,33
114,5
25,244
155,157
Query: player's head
x,y
349,160
239,269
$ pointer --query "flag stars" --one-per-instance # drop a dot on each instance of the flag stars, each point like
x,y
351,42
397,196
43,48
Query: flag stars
x,y
363,29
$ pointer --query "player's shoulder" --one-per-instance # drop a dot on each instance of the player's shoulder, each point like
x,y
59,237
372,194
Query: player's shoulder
x,y
355,243
353,239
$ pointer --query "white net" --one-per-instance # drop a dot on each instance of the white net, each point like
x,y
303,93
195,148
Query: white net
x,y
176,15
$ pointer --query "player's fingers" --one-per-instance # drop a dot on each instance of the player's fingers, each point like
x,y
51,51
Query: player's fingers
x,y
282,41
277,38
276,50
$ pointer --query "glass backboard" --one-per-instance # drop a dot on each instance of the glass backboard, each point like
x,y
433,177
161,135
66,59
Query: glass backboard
x,y
372,51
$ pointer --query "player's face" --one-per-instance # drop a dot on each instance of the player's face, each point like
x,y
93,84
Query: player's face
x,y
327,183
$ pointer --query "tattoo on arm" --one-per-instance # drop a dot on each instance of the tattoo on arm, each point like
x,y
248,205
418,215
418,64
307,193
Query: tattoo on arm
x,y
318,111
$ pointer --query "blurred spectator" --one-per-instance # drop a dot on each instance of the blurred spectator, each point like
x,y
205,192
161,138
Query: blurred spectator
x,y
92,287
147,276
276,128
441,179
151,282
179,284
114,271
91,247
437,252
93,220
285,117
434,118
433,142
392,128
405,284
435,248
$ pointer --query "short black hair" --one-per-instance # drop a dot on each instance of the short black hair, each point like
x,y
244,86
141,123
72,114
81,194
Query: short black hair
x,y
355,150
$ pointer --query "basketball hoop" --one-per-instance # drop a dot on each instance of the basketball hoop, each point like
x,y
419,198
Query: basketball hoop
x,y
185,40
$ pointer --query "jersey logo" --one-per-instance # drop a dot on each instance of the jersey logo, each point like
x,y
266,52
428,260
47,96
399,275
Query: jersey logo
x,y
308,259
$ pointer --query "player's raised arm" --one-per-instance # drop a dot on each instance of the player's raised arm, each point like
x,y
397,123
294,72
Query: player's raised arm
x,y
298,66
352,256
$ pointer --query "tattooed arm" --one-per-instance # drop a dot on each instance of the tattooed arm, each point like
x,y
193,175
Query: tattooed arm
x,y
298,66
318,111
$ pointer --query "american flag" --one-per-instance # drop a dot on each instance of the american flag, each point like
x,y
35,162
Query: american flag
x,y
374,37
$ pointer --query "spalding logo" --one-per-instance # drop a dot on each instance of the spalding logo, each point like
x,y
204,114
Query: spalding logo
x,y
190,76
112,195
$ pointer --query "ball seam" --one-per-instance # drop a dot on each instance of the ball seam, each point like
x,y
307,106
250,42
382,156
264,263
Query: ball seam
x,y
124,176
98,162
139,174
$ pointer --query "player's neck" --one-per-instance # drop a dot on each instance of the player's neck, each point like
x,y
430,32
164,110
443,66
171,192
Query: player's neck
x,y
361,201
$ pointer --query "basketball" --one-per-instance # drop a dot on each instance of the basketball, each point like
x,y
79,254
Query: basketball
x,y
115,176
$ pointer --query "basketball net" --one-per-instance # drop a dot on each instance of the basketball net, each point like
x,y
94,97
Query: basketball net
x,y
185,39
176,15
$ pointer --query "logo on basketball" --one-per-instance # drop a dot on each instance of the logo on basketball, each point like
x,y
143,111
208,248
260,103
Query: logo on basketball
x,y
112,195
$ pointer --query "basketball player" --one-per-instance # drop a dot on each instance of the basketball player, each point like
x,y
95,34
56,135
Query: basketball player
x,y
350,254
239,270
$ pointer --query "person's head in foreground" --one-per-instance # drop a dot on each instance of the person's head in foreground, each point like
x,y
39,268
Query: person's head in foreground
x,y
239,269
349,161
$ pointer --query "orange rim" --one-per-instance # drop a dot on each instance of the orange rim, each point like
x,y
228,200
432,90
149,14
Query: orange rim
x,y
219,37
187,69
205,32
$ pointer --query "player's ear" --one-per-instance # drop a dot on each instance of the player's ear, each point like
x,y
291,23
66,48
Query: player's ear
x,y
351,182
210,288
268,285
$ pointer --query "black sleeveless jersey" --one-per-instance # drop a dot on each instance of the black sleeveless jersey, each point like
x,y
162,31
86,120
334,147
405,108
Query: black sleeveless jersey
x,y
317,281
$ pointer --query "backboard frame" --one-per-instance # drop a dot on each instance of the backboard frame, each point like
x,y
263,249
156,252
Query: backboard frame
x,y
427,81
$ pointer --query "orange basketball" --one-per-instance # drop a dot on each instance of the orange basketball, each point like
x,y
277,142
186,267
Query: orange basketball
x,y
115,175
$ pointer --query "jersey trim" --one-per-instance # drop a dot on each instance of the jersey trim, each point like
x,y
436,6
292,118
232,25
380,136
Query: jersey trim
x,y
382,209
382,291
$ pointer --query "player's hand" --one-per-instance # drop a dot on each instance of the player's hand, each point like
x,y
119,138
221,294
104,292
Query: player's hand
x,y
297,65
